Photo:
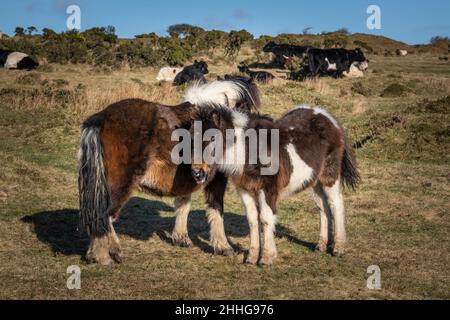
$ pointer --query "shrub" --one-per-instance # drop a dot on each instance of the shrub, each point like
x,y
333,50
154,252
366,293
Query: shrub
x,y
335,40
394,90
436,40
235,41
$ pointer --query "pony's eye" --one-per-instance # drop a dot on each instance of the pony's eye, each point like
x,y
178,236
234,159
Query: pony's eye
x,y
213,138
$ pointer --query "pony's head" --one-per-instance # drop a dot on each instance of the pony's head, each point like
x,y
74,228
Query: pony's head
x,y
217,130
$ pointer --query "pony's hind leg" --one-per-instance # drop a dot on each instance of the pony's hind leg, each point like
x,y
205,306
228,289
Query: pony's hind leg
x,y
105,249
180,234
251,211
325,217
336,204
267,218
214,193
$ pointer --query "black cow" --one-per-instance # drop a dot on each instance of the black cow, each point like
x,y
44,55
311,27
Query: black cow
x,y
284,51
333,62
258,76
16,60
193,72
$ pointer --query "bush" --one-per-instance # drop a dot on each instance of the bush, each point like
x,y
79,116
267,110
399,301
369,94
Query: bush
x,y
436,40
335,40
299,68
235,41
394,90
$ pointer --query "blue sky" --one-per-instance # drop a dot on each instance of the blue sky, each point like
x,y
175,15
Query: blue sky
x,y
411,21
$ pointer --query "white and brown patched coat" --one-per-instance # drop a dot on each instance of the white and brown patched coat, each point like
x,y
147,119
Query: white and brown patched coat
x,y
313,153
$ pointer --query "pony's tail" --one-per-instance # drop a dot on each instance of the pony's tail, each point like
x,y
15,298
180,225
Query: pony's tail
x,y
349,170
95,196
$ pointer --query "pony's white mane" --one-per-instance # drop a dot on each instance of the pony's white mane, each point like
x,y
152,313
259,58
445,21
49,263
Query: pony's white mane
x,y
221,92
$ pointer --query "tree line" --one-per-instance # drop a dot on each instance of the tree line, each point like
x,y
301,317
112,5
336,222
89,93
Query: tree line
x,y
101,45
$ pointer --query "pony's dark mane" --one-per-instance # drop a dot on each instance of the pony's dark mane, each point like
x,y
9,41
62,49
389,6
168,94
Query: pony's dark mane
x,y
259,116
251,99
205,112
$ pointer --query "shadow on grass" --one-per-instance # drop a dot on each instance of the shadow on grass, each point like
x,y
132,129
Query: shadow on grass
x,y
139,219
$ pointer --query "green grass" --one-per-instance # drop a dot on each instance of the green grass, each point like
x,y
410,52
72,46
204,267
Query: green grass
x,y
398,218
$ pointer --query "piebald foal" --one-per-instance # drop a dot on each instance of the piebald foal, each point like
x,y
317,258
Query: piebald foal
x,y
313,153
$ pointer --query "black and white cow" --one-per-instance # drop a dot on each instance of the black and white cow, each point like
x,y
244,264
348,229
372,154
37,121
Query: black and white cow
x,y
333,62
194,72
17,60
284,51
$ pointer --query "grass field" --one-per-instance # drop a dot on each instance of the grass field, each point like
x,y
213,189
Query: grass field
x,y
398,115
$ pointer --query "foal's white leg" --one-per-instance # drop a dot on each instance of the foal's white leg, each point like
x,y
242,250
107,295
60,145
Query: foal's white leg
x,y
180,232
325,217
336,203
251,212
267,218
218,237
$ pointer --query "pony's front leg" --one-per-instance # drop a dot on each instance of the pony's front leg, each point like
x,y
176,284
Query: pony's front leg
x,y
180,234
251,212
267,218
214,193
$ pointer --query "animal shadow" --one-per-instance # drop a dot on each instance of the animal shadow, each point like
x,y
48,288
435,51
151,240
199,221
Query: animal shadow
x,y
140,219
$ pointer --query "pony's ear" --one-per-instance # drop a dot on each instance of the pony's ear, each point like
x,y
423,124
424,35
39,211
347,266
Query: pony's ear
x,y
195,61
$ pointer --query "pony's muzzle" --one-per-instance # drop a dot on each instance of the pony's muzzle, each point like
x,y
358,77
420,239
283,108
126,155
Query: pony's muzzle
x,y
199,175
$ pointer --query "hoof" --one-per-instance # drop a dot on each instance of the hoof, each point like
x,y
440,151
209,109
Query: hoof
x,y
224,251
321,248
337,253
267,259
252,256
181,240
116,256
104,260
338,250
251,260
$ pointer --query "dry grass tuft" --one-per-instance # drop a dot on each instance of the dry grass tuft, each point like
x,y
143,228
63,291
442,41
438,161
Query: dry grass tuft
x,y
320,85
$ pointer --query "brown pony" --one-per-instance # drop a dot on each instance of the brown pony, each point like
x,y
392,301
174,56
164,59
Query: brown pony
x,y
128,146
313,153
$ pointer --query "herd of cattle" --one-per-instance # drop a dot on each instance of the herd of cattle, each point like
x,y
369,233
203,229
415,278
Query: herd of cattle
x,y
336,63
